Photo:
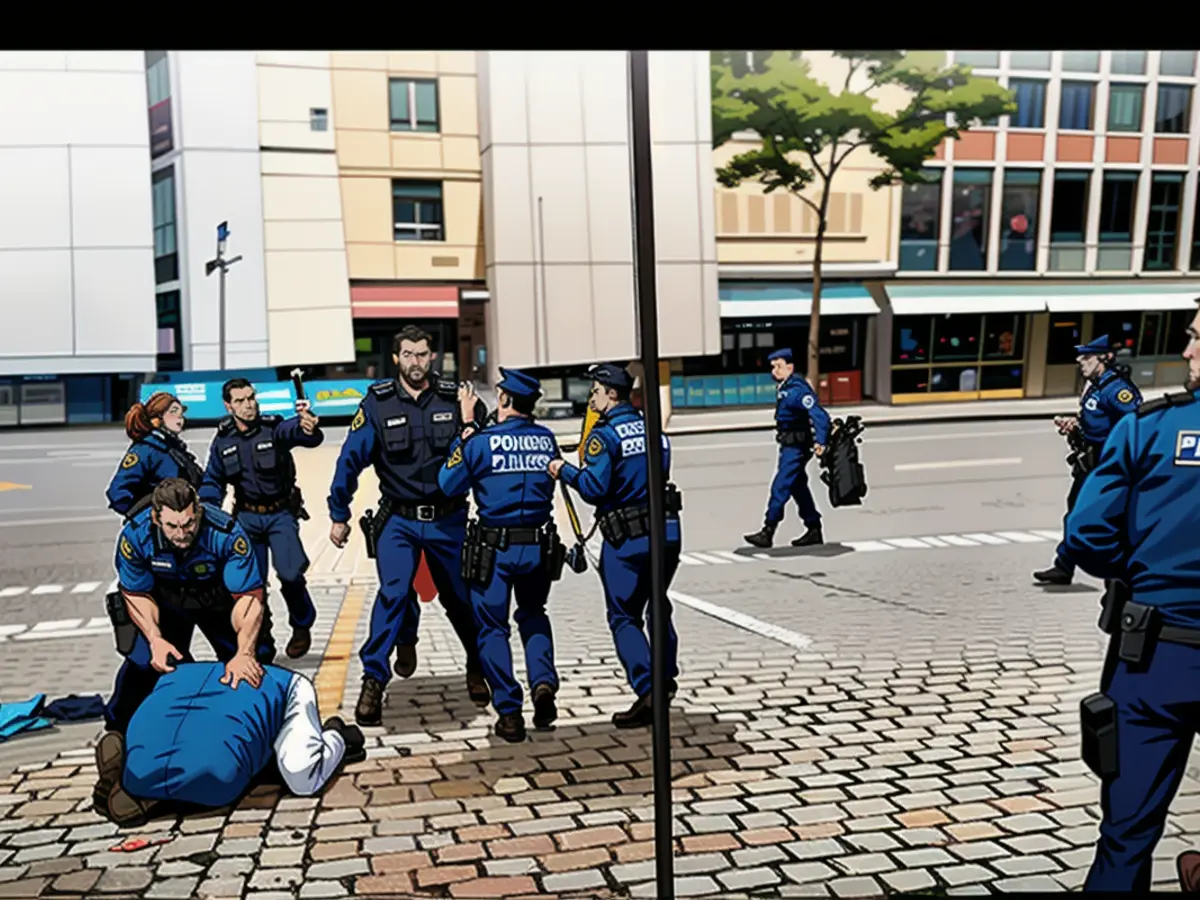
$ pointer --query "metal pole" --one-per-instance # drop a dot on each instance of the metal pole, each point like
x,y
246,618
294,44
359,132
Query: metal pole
x,y
645,288
221,314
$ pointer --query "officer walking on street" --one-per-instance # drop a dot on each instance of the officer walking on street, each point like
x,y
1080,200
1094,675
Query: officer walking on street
x,y
183,565
613,479
253,452
404,428
513,550
1107,397
1133,524
801,429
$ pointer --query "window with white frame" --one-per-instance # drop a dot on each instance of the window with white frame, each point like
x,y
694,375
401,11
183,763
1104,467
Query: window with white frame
x,y
417,211
413,104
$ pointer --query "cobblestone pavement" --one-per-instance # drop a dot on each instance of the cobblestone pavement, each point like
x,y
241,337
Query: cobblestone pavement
x,y
928,740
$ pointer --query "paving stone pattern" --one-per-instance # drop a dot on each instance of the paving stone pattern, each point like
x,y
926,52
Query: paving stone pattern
x,y
865,769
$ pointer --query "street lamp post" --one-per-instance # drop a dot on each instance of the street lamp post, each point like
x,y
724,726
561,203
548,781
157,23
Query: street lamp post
x,y
645,288
223,264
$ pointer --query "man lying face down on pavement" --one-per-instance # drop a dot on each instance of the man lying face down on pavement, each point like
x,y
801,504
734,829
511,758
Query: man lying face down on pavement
x,y
202,737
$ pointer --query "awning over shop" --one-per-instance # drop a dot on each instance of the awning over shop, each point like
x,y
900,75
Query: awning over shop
x,y
394,301
767,299
925,299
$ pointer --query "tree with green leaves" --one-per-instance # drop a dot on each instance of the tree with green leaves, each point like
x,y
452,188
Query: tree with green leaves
x,y
809,128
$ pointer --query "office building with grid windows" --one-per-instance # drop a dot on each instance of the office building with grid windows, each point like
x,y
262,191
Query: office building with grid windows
x,y
1073,217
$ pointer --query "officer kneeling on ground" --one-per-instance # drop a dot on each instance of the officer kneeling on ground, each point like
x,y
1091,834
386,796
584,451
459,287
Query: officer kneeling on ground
x,y
613,478
513,550
183,565
801,429
1108,397
1133,525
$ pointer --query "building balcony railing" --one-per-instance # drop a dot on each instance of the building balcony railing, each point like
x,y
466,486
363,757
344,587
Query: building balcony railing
x,y
1068,256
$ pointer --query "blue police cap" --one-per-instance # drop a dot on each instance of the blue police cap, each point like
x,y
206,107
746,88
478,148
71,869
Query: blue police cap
x,y
611,375
1096,346
784,353
517,383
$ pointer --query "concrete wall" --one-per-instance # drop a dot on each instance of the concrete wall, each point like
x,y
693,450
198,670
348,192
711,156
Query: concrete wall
x,y
218,172
307,283
370,155
76,234
558,215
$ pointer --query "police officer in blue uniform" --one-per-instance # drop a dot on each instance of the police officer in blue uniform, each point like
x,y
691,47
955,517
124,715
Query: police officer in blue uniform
x,y
404,428
1108,396
253,452
183,565
513,550
1133,525
801,429
157,452
613,479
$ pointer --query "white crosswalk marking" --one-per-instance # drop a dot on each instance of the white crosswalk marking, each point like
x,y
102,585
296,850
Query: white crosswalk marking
x,y
985,538
1049,535
908,543
13,591
1020,537
868,546
57,625
7,630
956,541
48,589
85,587
732,556
935,542
711,559
688,561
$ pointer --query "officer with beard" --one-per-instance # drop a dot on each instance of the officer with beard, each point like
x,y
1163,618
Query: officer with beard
x,y
1108,396
404,428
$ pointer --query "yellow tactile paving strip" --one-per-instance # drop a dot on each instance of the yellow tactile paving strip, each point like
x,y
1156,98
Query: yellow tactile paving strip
x,y
331,677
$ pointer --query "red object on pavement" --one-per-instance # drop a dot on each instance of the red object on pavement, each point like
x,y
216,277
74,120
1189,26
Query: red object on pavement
x,y
133,845
423,583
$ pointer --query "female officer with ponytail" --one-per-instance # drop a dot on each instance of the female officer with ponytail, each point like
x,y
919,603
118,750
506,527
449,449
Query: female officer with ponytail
x,y
157,452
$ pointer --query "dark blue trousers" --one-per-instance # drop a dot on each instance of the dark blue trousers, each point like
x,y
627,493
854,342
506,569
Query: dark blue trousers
x,y
1158,714
791,482
625,574
136,677
280,534
520,575
396,614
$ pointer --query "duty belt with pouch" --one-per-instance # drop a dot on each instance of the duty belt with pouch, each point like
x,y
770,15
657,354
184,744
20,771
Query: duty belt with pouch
x,y
794,438
483,542
630,522
124,630
1098,712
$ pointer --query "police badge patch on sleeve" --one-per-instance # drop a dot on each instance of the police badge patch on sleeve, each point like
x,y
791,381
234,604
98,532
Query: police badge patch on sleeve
x,y
359,419
129,461
240,547
808,401
595,447
455,458
1125,395
126,548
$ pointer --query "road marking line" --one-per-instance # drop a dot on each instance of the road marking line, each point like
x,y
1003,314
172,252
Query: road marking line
x,y
688,561
1048,535
743,621
872,441
57,625
762,555
1020,537
112,586
98,622
48,589
335,662
13,591
728,554
908,543
26,523
85,587
935,542
956,541
867,546
985,538
66,632
6,630
711,559
958,464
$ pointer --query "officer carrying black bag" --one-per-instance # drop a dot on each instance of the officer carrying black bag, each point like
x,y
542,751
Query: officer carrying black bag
x,y
841,469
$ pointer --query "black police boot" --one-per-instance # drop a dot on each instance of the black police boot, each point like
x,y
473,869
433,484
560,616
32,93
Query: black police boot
x,y
1053,575
369,711
406,660
811,538
299,644
477,687
545,711
511,727
764,537
639,715
110,762
356,750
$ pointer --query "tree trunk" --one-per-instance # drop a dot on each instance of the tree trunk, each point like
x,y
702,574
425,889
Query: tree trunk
x,y
814,320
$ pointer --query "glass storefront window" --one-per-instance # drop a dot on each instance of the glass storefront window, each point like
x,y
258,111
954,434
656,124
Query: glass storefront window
x,y
1122,328
1003,336
920,216
954,379
1001,378
956,337
1019,220
1066,333
910,339
1176,336
910,381
969,222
